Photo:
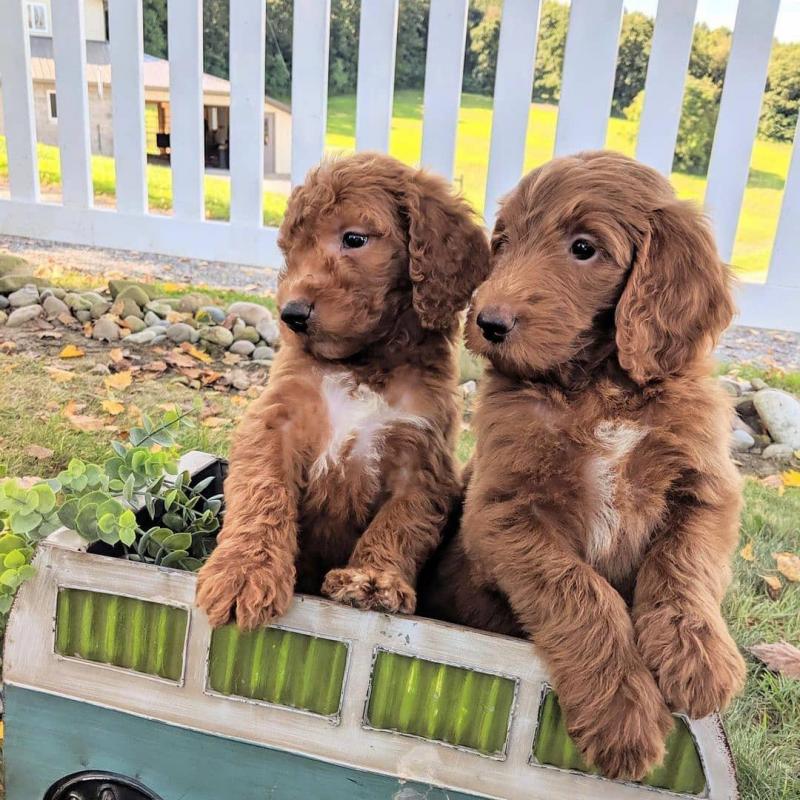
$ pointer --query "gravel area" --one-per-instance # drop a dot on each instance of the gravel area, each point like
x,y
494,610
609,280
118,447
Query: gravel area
x,y
767,348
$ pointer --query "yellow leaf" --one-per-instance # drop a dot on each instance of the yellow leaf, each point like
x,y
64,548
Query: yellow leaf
x,y
60,375
791,478
117,355
215,422
71,351
195,352
121,380
112,407
747,552
774,585
788,566
172,287
238,400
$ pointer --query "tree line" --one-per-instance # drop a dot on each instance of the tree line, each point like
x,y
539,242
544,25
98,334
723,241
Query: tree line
x,y
709,56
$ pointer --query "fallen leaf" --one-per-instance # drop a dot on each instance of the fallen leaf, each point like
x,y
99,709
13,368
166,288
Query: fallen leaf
x,y
60,375
209,376
195,352
37,451
238,400
774,585
780,657
112,407
791,478
773,482
192,373
87,329
120,380
65,318
8,347
215,422
231,359
71,351
788,566
155,366
81,421
747,552
117,355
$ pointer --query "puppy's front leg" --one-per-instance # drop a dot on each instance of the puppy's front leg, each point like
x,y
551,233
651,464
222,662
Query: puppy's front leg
x,y
251,574
613,708
679,628
382,571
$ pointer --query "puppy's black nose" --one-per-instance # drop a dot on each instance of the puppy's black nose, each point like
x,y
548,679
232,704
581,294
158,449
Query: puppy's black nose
x,y
495,324
295,314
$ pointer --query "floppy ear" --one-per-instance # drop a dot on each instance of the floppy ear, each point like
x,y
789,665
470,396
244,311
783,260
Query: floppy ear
x,y
448,255
678,299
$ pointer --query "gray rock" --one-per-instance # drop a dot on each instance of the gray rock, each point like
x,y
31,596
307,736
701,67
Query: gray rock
x,y
22,315
468,388
741,440
76,302
4,301
142,337
217,335
151,319
182,332
12,264
12,283
93,297
135,293
116,287
106,329
738,424
759,384
135,324
263,353
251,313
190,303
780,452
730,386
269,331
58,292
242,347
238,327
53,306
100,369
3,317
172,302
239,379
158,308
82,315
744,405
26,296
159,337
98,309
780,414
212,314
247,334
126,307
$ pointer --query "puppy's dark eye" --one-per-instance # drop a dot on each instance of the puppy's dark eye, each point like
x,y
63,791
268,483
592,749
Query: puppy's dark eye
x,y
352,240
582,249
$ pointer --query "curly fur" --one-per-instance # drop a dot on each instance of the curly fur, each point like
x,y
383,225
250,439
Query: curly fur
x,y
603,506
342,473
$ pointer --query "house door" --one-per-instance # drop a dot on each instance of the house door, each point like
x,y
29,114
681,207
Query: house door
x,y
269,144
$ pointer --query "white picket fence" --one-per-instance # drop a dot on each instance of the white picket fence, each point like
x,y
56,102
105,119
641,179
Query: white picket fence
x,y
589,66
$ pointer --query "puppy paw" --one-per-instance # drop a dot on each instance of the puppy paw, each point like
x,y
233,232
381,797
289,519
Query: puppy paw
x,y
370,588
696,663
254,592
625,738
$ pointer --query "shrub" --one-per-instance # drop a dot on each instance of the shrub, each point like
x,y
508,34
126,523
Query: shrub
x,y
698,121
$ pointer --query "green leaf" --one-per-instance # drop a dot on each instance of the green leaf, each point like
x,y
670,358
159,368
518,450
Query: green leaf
x,y
68,513
26,571
128,488
177,541
25,523
119,448
173,558
138,459
9,542
191,564
169,498
92,499
14,560
127,519
106,523
173,521
127,536
137,436
10,578
5,604
86,523
46,498
76,467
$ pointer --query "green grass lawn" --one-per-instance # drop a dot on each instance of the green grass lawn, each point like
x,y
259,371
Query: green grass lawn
x,y
769,166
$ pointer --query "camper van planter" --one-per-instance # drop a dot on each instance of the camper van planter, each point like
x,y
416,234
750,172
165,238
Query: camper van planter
x,y
117,689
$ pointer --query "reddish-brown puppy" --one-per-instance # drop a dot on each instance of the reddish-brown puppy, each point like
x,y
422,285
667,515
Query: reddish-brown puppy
x,y
603,506
342,473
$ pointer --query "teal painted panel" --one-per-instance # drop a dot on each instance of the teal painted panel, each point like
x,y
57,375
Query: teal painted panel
x,y
50,737
278,666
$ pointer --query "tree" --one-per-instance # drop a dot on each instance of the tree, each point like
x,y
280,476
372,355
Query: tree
x,y
698,121
710,51
481,63
635,41
278,56
550,51
782,99
412,36
216,14
343,58
154,17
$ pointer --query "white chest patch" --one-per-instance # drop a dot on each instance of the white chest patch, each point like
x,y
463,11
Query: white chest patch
x,y
616,440
359,420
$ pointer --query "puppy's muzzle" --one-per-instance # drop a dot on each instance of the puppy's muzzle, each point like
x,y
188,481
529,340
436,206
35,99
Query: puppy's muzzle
x,y
495,324
295,314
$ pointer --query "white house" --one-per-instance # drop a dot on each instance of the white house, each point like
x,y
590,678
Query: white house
x,y
216,97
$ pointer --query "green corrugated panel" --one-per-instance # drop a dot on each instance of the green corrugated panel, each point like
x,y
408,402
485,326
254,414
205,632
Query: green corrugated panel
x,y
440,702
277,666
682,770
109,629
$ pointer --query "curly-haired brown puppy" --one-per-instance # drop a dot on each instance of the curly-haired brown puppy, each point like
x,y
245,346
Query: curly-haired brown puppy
x,y
342,473
603,506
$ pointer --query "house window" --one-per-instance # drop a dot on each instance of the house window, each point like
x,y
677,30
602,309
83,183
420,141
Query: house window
x,y
37,18
52,106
